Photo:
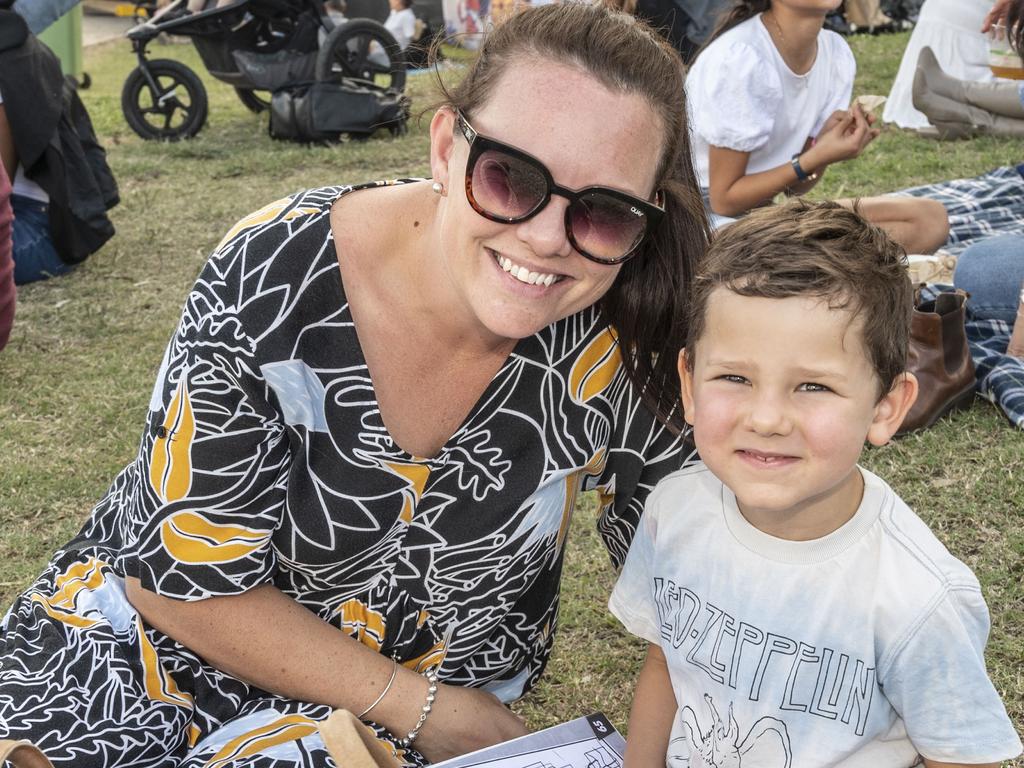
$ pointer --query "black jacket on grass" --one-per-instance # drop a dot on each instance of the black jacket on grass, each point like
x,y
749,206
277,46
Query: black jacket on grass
x,y
55,142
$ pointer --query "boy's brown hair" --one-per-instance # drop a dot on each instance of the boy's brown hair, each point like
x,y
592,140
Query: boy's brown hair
x,y
821,250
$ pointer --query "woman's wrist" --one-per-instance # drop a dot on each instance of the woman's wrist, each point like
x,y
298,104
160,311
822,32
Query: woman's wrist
x,y
425,710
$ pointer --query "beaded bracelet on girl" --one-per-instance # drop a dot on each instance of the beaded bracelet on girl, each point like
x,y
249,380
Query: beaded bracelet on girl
x,y
425,710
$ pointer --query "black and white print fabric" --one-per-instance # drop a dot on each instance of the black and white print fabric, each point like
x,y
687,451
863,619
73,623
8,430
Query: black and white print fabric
x,y
265,460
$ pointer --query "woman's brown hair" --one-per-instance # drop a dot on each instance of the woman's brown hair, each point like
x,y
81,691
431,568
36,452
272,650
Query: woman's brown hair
x,y
734,16
1015,27
646,305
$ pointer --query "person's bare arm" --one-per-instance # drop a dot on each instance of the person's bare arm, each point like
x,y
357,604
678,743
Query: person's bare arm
x,y
8,155
733,191
267,639
654,709
932,764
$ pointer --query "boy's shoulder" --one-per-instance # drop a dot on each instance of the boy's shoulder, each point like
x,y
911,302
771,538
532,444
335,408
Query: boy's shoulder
x,y
909,539
695,477
916,578
689,491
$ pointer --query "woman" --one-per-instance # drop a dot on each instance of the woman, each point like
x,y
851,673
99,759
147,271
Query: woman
x,y
409,486
951,28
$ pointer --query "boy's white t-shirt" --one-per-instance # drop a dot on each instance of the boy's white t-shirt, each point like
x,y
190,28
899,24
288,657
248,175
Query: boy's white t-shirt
x,y
861,648
741,95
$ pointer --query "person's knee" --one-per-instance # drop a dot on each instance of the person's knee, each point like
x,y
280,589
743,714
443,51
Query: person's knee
x,y
992,270
932,225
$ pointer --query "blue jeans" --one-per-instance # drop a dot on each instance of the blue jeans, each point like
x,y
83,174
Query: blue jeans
x,y
35,258
992,271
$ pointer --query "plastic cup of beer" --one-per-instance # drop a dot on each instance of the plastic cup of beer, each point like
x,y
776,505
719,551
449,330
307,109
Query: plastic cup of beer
x,y
1002,59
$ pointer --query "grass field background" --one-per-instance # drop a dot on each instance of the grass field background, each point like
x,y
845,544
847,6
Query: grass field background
x,y
76,377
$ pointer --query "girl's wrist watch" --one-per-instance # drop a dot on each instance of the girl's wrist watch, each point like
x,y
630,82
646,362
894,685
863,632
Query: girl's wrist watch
x,y
801,174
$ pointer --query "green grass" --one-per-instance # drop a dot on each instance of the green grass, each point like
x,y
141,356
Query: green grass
x,y
76,378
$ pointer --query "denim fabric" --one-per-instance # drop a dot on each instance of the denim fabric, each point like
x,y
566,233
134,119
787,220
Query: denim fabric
x,y
34,255
992,271
716,221
40,14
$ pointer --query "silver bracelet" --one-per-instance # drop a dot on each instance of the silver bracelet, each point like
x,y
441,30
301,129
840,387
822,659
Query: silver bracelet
x,y
394,672
410,737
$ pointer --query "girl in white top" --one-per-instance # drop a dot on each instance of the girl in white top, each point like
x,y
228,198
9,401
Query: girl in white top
x,y
768,99
401,22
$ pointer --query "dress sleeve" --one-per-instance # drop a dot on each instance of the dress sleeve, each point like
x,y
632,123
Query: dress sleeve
x,y
632,601
939,686
641,452
844,70
733,97
209,486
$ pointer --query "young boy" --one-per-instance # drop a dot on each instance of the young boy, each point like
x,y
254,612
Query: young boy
x,y
799,613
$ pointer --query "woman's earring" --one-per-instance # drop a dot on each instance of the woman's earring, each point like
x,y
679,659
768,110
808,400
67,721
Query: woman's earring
x,y
438,188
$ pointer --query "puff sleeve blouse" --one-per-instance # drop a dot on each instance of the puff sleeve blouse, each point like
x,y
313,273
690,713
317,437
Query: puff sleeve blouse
x,y
741,95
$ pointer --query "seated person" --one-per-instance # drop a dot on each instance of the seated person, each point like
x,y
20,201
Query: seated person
x,y
961,108
992,272
62,185
401,22
769,106
798,612
951,28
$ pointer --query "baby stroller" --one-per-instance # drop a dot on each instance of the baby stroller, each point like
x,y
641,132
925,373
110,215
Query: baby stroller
x,y
255,46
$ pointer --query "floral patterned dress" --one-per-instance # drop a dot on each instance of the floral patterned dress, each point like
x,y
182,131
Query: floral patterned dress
x,y
265,460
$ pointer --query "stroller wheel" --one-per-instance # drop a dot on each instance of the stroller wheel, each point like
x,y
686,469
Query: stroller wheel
x,y
363,50
166,100
253,100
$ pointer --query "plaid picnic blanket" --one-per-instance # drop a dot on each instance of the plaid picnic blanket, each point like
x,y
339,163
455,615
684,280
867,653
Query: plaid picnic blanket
x,y
990,204
999,378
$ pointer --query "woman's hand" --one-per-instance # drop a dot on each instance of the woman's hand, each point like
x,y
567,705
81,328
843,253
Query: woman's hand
x,y
463,720
997,15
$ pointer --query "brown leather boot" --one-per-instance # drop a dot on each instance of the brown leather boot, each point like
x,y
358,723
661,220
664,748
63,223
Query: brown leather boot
x,y
940,359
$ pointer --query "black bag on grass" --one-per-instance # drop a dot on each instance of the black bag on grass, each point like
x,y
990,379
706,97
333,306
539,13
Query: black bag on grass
x,y
323,111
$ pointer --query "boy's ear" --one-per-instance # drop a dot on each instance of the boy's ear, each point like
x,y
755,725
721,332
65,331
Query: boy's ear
x,y
686,387
892,409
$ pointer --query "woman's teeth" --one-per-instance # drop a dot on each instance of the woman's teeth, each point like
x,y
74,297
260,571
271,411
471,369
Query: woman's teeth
x,y
523,275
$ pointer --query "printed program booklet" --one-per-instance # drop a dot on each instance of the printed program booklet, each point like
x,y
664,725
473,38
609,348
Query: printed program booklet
x,y
587,742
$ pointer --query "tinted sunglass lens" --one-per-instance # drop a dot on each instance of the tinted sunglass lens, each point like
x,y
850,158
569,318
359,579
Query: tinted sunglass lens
x,y
606,227
507,186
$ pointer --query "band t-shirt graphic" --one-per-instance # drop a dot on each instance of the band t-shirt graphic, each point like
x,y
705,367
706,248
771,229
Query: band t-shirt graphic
x,y
856,649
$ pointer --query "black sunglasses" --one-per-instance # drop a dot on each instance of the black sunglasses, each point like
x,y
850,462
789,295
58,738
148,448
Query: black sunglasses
x,y
507,185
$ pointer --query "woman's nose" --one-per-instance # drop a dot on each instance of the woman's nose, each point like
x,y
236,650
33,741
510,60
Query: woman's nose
x,y
545,231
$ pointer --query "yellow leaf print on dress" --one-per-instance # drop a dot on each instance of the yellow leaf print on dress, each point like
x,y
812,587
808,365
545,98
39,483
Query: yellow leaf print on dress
x,y
160,686
417,475
170,468
595,367
363,623
191,538
62,604
281,731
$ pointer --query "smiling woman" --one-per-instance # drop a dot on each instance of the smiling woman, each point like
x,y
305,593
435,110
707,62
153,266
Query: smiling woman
x,y
364,443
